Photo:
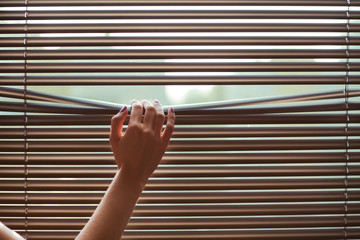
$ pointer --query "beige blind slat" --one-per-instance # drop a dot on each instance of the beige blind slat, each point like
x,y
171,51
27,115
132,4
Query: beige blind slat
x,y
64,28
156,184
194,171
177,2
168,41
208,222
186,197
170,80
173,209
183,158
184,132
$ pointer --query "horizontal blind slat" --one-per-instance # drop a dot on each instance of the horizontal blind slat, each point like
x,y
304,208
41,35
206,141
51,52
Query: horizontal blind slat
x,y
180,197
183,158
49,120
109,28
168,53
156,184
171,80
184,145
155,41
183,132
174,14
168,66
171,209
203,171
202,223
8,3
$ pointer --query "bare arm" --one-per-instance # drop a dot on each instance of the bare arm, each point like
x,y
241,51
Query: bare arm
x,y
8,234
137,153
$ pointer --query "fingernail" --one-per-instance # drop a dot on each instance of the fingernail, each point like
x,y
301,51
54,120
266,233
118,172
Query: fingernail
x,y
123,108
172,110
156,101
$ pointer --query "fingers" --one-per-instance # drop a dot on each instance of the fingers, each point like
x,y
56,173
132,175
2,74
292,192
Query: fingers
x,y
159,118
136,112
117,122
149,117
169,129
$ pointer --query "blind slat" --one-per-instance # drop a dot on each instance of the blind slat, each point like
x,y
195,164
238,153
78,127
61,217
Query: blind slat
x,y
184,132
164,67
6,3
245,209
185,184
311,234
173,14
203,171
168,53
104,28
160,80
49,120
183,158
185,145
202,223
180,197
156,41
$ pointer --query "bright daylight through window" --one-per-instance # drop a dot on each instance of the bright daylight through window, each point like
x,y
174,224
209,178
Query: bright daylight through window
x,y
267,102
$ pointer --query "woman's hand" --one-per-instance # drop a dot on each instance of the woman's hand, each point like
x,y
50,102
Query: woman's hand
x,y
139,150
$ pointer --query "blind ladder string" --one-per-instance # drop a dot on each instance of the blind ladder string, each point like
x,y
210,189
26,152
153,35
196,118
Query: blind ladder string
x,y
26,145
346,98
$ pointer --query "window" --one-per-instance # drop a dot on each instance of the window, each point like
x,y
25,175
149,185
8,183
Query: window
x,y
282,162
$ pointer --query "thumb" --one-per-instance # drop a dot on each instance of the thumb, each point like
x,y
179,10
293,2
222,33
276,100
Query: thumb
x,y
117,122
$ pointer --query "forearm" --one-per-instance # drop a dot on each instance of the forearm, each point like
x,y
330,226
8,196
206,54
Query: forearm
x,y
8,234
114,211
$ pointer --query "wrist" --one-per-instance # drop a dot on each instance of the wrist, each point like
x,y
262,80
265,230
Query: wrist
x,y
131,180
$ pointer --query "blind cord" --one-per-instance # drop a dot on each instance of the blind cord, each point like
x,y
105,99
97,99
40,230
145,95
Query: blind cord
x,y
346,97
26,145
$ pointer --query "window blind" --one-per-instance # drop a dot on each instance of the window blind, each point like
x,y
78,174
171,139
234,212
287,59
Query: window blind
x,y
267,168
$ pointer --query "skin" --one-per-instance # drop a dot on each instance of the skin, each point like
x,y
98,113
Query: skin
x,y
137,153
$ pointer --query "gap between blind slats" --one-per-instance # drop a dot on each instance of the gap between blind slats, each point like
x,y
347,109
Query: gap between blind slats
x,y
39,96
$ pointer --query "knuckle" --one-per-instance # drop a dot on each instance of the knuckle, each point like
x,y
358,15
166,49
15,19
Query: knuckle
x,y
148,134
151,109
134,127
137,107
114,118
170,127
112,139
160,116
